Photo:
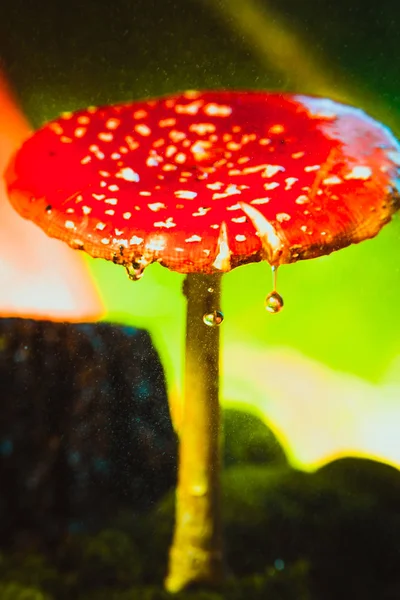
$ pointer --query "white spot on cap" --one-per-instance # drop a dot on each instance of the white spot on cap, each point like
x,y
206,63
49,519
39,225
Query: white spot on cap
x,y
202,128
239,219
156,206
126,215
222,260
143,130
201,211
189,109
153,161
281,217
69,225
260,200
217,110
271,240
240,238
176,136
167,223
167,123
105,136
193,238
296,155
271,170
156,243
105,241
359,172
112,123
135,240
80,132
180,158
230,190
128,174
215,186
110,212
86,210
290,181
83,120
100,226
186,194
276,129
333,180
302,199
140,114
271,186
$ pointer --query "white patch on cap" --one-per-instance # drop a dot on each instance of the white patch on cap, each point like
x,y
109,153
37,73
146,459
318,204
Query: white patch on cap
x,y
359,172
217,110
167,223
185,194
201,211
290,181
193,238
271,170
135,240
128,174
222,260
156,206
302,199
333,180
260,200
230,190
281,217
271,239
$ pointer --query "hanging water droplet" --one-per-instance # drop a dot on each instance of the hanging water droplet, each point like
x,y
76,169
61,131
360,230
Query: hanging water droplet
x,y
210,290
134,271
274,302
213,319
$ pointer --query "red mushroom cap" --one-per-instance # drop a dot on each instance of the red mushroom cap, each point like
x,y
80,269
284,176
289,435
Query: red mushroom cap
x,y
206,181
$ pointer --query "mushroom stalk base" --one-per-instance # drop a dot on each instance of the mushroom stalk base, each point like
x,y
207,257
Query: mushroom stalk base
x,y
196,556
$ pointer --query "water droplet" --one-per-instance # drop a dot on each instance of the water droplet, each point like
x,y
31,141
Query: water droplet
x,y
135,271
273,302
213,319
210,289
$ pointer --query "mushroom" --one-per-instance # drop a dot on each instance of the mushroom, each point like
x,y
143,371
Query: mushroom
x,y
203,182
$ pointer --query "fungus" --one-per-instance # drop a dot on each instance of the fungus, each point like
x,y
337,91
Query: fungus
x,y
203,182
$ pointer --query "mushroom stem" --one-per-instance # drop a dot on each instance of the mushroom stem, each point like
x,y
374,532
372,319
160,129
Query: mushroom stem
x,y
196,551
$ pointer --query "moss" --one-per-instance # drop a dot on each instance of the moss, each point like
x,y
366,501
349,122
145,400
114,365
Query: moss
x,y
17,591
247,440
342,521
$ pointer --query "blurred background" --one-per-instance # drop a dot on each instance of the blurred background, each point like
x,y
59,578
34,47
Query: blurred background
x,y
324,374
